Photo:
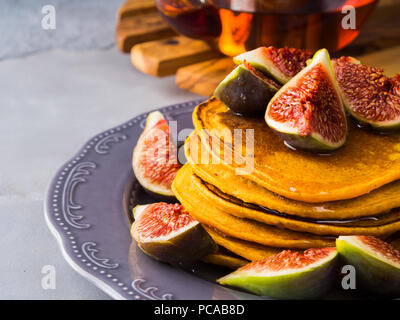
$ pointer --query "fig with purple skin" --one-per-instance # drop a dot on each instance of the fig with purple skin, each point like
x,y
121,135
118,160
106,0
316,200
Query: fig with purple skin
x,y
154,158
376,262
368,95
280,64
288,275
168,233
307,112
246,90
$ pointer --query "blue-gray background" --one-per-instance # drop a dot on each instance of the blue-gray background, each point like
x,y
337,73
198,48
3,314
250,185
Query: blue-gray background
x,y
58,88
81,24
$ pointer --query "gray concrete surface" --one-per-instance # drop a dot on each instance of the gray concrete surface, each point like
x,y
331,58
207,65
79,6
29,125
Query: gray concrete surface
x,y
51,102
80,24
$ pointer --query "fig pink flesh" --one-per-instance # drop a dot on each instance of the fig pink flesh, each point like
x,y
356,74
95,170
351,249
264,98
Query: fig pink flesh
x,y
161,219
381,247
367,91
158,160
311,106
288,260
289,61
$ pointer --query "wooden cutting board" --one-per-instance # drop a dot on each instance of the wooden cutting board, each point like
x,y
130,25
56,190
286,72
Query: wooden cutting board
x,y
133,8
155,48
164,57
202,78
141,28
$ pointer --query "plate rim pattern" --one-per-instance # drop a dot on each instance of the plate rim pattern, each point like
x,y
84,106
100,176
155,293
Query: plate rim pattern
x,y
62,219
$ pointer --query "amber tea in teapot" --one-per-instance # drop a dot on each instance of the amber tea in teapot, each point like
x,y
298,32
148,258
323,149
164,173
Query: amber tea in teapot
x,y
236,26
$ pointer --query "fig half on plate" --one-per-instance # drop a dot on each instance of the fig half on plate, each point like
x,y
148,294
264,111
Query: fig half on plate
x,y
288,275
168,233
154,158
307,112
376,262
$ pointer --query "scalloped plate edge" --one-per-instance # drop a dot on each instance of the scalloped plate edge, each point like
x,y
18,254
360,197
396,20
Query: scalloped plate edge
x,y
53,229
96,281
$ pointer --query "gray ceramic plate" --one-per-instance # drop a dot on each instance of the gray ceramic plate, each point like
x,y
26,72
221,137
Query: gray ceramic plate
x,y
87,209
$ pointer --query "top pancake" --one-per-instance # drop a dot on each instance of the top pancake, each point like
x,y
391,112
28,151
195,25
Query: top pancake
x,y
370,205
366,162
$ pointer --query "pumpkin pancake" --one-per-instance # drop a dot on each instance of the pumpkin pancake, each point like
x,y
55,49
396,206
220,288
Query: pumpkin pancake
x,y
383,227
381,220
206,213
248,250
224,258
366,162
372,204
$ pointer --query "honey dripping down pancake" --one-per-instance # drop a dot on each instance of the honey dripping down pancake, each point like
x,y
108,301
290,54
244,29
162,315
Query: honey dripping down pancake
x,y
366,162
370,205
200,209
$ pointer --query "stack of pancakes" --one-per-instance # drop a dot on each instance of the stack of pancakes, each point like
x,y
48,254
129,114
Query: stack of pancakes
x,y
256,196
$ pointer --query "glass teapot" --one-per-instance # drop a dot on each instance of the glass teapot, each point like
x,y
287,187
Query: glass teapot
x,y
236,26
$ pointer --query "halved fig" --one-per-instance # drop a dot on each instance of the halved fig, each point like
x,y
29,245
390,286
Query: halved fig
x,y
168,233
154,158
281,64
376,262
368,95
307,112
246,90
288,275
